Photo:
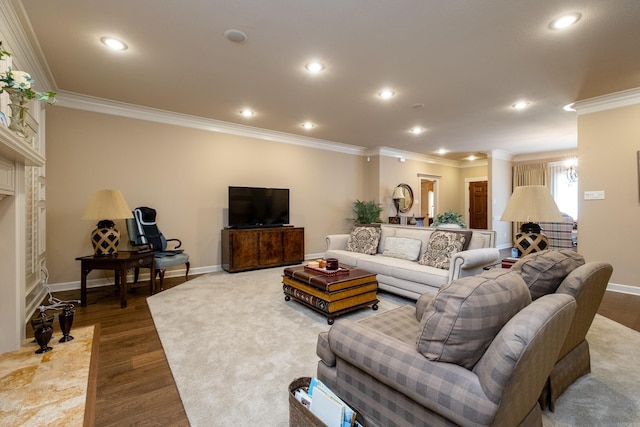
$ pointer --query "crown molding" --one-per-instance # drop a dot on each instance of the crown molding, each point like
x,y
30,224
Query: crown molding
x,y
392,152
116,108
500,154
620,99
20,42
546,155
121,109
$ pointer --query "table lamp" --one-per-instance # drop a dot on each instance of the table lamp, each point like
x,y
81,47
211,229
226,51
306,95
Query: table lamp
x,y
105,206
398,194
531,204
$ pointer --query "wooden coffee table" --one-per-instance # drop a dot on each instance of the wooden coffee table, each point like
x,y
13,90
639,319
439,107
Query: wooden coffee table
x,y
331,294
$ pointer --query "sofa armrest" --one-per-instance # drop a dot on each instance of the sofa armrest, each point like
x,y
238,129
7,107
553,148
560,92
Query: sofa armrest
x,y
337,241
472,262
401,367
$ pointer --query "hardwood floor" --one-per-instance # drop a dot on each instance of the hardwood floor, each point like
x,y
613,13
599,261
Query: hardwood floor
x,y
135,385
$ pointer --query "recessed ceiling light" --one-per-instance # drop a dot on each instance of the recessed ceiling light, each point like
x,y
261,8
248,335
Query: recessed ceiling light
x,y
520,105
247,112
114,44
569,107
416,130
386,93
308,125
441,151
471,158
314,67
565,21
235,36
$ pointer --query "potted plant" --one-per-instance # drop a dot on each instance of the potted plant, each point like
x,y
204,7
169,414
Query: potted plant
x,y
366,212
449,217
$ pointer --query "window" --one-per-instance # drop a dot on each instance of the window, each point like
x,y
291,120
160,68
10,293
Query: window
x,y
563,179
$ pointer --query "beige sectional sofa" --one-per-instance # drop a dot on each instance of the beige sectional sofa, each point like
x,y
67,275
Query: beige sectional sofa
x,y
399,250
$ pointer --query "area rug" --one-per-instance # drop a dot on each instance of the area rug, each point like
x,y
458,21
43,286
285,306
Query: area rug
x,y
234,344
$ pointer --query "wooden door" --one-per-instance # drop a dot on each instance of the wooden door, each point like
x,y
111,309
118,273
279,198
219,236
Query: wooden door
x,y
478,205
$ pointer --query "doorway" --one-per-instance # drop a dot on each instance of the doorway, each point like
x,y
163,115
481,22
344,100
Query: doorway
x,y
478,199
428,198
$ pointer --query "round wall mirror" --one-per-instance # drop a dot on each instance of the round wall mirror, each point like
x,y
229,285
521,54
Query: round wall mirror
x,y
406,203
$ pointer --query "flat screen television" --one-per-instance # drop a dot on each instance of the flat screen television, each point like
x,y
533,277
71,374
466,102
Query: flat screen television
x,y
251,207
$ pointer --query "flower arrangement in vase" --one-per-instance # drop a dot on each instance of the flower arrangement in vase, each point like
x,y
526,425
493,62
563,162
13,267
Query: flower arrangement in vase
x,y
18,84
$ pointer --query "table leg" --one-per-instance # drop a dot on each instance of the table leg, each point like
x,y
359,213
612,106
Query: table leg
x,y
152,279
83,286
123,287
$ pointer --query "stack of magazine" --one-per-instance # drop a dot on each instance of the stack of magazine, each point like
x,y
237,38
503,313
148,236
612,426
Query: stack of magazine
x,y
326,405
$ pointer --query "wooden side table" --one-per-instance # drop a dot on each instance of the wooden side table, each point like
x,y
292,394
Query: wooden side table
x,y
120,263
509,261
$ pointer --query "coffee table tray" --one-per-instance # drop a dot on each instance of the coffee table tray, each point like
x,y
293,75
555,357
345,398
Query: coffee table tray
x,y
325,272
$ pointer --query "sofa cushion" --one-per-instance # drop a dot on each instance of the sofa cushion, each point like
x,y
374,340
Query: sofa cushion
x,y
461,321
544,271
401,247
443,245
364,240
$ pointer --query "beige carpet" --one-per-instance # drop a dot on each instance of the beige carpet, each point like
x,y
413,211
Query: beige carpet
x,y
234,345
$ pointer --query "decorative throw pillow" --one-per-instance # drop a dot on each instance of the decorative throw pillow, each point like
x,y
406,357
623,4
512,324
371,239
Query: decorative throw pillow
x,y
461,321
544,271
402,247
364,240
443,245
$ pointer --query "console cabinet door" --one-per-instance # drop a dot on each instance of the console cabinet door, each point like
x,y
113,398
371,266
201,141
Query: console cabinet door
x,y
260,248
243,250
271,250
293,242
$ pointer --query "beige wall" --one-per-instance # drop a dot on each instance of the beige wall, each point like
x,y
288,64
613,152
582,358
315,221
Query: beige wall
x,y
500,183
609,229
184,174
450,193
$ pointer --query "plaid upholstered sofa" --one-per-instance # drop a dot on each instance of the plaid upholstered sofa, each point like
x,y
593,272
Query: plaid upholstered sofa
x,y
476,353
408,260
565,271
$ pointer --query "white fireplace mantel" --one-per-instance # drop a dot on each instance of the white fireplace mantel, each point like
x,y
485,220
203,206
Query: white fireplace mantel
x,y
16,149
16,153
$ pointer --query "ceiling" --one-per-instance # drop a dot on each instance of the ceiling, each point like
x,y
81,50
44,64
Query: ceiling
x,y
456,67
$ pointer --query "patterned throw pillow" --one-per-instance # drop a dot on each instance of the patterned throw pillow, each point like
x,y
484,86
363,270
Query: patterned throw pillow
x,y
544,271
443,245
463,318
364,240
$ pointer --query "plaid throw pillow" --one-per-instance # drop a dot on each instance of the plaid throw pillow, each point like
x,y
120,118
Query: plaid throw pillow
x,y
463,318
364,240
544,271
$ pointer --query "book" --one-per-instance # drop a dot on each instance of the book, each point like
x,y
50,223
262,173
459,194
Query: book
x,y
326,408
332,303
303,397
316,388
330,283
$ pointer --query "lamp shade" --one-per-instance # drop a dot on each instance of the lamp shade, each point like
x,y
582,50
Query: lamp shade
x,y
398,193
107,204
532,203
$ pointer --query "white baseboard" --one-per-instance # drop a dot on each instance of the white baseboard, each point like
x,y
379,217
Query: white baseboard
x,y
108,280
625,289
